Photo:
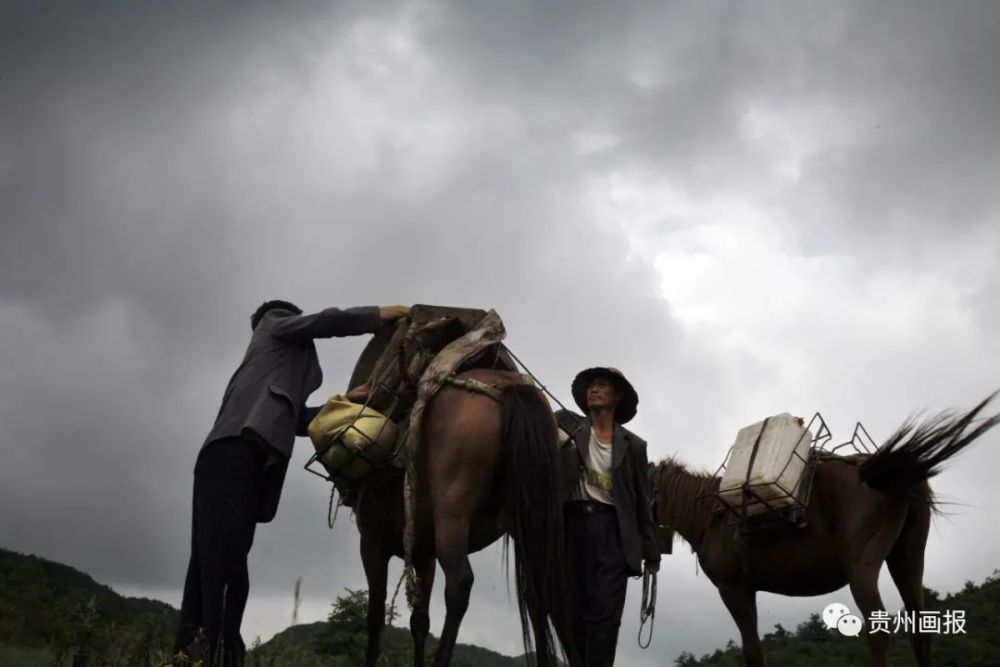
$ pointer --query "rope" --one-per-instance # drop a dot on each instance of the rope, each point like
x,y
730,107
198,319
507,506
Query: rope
x,y
391,611
409,534
331,512
647,609
534,379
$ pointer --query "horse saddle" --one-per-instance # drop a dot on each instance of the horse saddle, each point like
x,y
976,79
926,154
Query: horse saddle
x,y
360,436
386,374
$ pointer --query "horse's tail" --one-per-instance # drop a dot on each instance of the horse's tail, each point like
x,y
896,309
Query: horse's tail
x,y
534,510
917,452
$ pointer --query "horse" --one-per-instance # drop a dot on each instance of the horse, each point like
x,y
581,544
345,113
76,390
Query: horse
x,y
863,510
487,468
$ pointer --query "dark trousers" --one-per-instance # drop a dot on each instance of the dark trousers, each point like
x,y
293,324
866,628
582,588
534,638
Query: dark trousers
x,y
228,484
598,579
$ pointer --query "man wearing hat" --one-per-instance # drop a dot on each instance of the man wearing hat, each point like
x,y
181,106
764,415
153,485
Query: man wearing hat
x,y
609,523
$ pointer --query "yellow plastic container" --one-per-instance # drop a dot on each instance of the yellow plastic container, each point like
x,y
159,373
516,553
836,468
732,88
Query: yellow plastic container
x,y
352,441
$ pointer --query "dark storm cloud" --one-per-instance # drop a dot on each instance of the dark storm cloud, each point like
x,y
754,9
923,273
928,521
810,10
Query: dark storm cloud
x,y
164,170
116,252
136,245
114,136
922,74
934,134
113,191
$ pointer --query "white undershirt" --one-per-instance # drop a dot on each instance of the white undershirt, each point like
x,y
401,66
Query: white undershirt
x,y
595,482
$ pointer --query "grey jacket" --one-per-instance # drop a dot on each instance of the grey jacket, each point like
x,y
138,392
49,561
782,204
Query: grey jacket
x,y
265,398
630,481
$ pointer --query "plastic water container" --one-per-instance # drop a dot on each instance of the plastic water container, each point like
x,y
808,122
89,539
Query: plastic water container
x,y
777,467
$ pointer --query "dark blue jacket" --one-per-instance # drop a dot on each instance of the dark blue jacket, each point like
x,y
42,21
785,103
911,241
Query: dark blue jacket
x,y
265,398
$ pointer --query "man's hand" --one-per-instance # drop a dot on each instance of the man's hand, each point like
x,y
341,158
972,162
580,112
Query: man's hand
x,y
390,313
652,566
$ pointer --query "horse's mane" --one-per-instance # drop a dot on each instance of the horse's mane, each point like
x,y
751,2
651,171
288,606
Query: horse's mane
x,y
679,495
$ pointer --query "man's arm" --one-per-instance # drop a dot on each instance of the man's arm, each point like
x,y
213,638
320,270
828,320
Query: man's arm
x,y
306,415
644,511
569,421
335,322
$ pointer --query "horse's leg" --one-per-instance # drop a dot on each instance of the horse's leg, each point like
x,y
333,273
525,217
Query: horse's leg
x,y
906,565
742,605
420,619
460,456
376,564
451,540
863,579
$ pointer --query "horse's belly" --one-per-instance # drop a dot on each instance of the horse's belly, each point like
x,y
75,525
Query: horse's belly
x,y
804,569
485,530
804,584
798,578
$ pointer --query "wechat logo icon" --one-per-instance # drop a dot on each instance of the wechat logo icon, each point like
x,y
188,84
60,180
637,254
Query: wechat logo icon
x,y
837,616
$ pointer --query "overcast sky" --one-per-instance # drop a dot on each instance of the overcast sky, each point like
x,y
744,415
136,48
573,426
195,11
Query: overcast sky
x,y
748,208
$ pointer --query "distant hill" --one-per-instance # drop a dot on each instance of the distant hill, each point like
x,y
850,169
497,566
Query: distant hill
x,y
397,645
50,612
340,642
53,606
812,644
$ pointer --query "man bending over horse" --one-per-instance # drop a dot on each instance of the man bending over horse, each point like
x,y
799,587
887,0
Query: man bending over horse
x,y
609,523
241,465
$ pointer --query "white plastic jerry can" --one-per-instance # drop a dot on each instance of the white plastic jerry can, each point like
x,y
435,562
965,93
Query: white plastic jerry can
x,y
774,471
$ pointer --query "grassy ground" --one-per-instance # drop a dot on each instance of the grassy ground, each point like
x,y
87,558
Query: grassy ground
x,y
17,656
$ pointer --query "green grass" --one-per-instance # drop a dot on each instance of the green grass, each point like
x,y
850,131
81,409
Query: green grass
x,y
19,656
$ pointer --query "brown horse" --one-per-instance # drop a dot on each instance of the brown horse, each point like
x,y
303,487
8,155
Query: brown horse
x,y
863,510
487,467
